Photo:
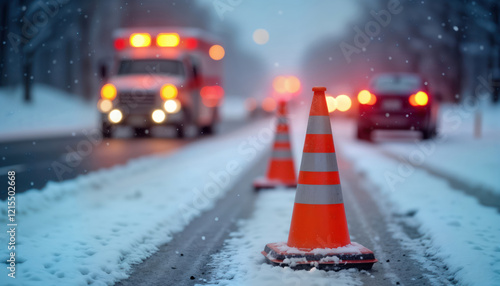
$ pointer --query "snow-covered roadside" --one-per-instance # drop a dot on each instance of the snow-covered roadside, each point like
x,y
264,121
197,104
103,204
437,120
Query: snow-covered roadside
x,y
456,152
233,108
241,263
92,229
52,112
462,233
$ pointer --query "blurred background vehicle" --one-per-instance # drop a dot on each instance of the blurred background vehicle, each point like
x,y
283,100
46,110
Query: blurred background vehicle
x,y
163,76
396,101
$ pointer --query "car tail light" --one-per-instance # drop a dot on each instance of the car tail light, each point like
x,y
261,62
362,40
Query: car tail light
x,y
168,91
419,99
168,40
366,97
138,40
108,91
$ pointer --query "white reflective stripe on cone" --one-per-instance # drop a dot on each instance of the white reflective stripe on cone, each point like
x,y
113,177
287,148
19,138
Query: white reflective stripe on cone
x,y
282,137
282,154
319,194
319,162
282,120
319,125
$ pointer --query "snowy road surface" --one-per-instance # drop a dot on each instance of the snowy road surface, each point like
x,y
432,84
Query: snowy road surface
x,y
39,161
99,228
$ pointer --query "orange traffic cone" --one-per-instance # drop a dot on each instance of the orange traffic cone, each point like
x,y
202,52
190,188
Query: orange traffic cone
x,y
281,170
319,236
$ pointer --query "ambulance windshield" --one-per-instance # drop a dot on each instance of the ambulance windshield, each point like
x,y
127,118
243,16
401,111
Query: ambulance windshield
x,y
153,66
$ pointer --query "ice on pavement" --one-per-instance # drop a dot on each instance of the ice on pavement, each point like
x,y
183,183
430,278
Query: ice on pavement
x,y
241,263
51,112
94,228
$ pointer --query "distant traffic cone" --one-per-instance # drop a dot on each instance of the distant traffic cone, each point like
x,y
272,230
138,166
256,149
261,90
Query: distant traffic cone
x,y
281,170
319,227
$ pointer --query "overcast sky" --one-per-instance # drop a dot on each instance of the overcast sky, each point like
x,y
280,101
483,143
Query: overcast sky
x,y
291,24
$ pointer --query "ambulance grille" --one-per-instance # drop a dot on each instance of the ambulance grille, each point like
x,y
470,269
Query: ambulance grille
x,y
134,99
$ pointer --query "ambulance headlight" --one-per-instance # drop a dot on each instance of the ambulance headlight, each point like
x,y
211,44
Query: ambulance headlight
x,y
172,106
115,116
104,105
158,116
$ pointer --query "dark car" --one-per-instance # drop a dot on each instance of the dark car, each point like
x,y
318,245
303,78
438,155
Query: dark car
x,y
397,101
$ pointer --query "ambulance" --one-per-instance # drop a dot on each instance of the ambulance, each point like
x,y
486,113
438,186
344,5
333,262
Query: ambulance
x,y
163,77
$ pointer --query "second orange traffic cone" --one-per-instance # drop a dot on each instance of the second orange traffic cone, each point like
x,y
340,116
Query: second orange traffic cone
x,y
319,236
281,170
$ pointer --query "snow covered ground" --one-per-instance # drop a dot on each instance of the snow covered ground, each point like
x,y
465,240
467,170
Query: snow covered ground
x,y
456,152
92,229
52,112
463,233
241,263
456,228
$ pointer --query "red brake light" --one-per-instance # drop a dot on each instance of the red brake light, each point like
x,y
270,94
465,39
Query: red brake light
x,y
419,99
366,97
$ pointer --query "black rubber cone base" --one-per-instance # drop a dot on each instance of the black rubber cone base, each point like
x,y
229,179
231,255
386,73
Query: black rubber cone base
x,y
353,256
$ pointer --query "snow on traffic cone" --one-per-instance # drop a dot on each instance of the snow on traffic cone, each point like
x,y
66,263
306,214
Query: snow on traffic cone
x,y
281,170
319,236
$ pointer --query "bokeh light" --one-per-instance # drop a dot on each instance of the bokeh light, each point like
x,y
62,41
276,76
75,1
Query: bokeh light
x,y
421,98
286,84
216,52
292,84
158,116
108,91
260,36
269,104
331,103
343,102
168,40
140,40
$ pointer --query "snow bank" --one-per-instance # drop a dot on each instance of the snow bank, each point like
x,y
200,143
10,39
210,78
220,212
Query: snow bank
x,y
52,112
233,108
462,233
475,161
241,263
91,230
